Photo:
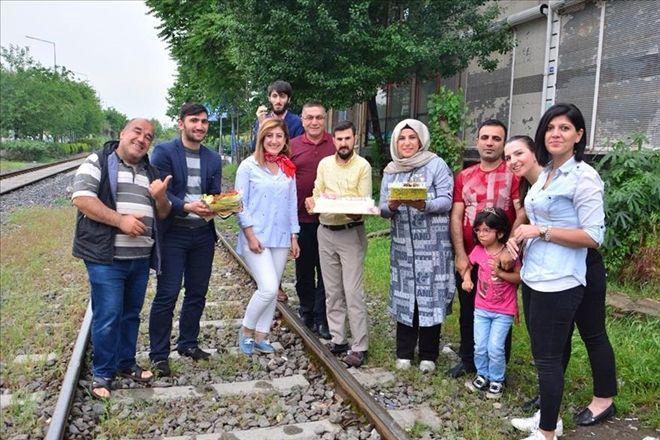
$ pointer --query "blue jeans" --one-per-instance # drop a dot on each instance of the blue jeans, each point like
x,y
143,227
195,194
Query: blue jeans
x,y
490,332
186,257
117,297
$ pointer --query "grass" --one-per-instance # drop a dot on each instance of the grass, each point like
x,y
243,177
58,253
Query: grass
x,y
636,341
41,284
13,165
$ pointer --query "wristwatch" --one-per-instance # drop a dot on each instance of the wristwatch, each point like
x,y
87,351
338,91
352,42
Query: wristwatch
x,y
544,233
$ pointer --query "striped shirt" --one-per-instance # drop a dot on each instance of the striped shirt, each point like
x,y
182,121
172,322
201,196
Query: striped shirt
x,y
132,198
193,190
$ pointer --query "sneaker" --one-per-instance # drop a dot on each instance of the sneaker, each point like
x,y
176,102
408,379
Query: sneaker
x,y
195,353
264,347
495,390
246,343
427,366
402,364
536,435
531,424
355,358
461,369
337,348
479,383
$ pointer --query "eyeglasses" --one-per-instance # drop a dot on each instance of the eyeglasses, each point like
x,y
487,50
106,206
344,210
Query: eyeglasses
x,y
311,118
483,230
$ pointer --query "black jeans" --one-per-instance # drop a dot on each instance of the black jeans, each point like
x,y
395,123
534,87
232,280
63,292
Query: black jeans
x,y
407,337
466,321
551,316
590,320
309,282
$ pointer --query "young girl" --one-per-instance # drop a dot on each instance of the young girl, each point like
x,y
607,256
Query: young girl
x,y
495,303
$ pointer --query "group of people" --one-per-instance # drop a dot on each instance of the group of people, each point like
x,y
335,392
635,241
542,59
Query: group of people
x,y
529,212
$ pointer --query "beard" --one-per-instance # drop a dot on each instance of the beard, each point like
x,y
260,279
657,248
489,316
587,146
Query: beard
x,y
345,154
281,112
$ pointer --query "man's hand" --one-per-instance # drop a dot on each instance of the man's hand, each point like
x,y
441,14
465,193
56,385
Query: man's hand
x,y
461,262
158,188
261,113
131,224
467,285
198,207
309,204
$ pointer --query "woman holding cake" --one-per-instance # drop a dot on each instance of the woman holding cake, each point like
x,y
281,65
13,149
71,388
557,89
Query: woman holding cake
x,y
269,227
421,256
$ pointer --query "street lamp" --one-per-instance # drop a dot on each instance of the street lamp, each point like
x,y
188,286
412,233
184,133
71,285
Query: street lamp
x,y
49,42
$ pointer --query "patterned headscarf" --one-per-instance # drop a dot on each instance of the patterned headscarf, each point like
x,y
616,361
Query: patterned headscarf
x,y
419,159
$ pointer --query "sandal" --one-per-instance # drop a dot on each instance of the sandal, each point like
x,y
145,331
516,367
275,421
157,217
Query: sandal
x,y
136,373
100,383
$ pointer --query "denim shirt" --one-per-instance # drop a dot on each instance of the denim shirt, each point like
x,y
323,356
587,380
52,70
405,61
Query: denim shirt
x,y
270,205
573,200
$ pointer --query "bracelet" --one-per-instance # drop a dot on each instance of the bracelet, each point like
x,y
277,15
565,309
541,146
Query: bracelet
x,y
548,233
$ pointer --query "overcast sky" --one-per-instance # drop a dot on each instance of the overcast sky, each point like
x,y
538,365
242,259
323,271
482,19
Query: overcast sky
x,y
111,44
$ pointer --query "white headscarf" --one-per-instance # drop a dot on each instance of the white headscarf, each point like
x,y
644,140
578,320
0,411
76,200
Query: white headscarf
x,y
420,158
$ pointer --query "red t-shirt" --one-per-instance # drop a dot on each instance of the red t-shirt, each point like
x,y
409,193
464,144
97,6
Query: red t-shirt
x,y
306,155
479,189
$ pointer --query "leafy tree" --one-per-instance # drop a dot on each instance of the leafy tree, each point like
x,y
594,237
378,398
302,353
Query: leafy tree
x,y
114,121
336,51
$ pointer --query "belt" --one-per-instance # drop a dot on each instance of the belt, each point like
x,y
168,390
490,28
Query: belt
x,y
342,227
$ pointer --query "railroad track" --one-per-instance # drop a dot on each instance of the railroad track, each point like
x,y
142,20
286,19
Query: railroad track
x,y
14,180
301,392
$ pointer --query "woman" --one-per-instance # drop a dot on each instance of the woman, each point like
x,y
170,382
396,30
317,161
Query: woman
x,y
565,209
519,153
421,257
269,227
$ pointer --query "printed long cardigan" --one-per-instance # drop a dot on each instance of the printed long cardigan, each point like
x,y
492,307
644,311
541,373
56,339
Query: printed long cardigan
x,y
421,255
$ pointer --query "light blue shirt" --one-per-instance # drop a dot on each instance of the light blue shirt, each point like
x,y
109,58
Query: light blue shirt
x,y
269,205
573,200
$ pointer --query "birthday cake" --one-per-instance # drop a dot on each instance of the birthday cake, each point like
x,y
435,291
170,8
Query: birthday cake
x,y
345,205
408,191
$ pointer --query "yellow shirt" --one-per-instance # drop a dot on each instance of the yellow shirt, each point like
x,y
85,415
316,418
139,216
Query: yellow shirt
x,y
349,179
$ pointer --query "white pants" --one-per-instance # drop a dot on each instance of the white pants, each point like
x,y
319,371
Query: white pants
x,y
267,268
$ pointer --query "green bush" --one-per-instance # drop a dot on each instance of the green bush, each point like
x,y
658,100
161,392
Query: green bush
x,y
28,150
447,112
631,174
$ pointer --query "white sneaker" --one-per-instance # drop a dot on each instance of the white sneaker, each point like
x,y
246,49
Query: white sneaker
x,y
536,435
427,366
402,364
531,424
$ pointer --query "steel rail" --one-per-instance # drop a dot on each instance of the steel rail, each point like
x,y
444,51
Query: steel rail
x,y
40,177
15,173
386,426
70,382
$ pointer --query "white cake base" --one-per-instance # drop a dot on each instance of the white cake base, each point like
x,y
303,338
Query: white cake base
x,y
346,205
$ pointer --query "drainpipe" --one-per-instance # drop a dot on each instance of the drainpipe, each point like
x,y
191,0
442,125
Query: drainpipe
x,y
599,56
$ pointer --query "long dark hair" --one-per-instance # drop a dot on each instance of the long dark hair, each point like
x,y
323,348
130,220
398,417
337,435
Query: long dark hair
x,y
575,116
494,218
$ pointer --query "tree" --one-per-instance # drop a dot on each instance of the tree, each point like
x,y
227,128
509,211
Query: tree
x,y
115,121
337,51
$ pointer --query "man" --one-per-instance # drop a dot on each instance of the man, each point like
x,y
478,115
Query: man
x,y
279,97
118,196
188,239
307,150
488,183
343,244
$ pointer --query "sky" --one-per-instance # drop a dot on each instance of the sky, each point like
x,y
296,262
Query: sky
x,y
113,45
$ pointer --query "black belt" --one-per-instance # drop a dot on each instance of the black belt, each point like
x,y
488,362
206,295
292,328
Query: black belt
x,y
342,227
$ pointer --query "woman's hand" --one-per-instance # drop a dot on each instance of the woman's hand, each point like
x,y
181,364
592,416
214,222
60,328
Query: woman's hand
x,y
417,204
523,232
393,205
255,245
295,247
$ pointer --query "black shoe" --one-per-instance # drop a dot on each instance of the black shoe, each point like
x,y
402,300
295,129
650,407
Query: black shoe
x,y
161,368
324,331
532,404
461,369
337,348
586,417
195,353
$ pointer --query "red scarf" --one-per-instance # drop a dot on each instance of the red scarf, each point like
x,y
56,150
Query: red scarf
x,y
285,164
